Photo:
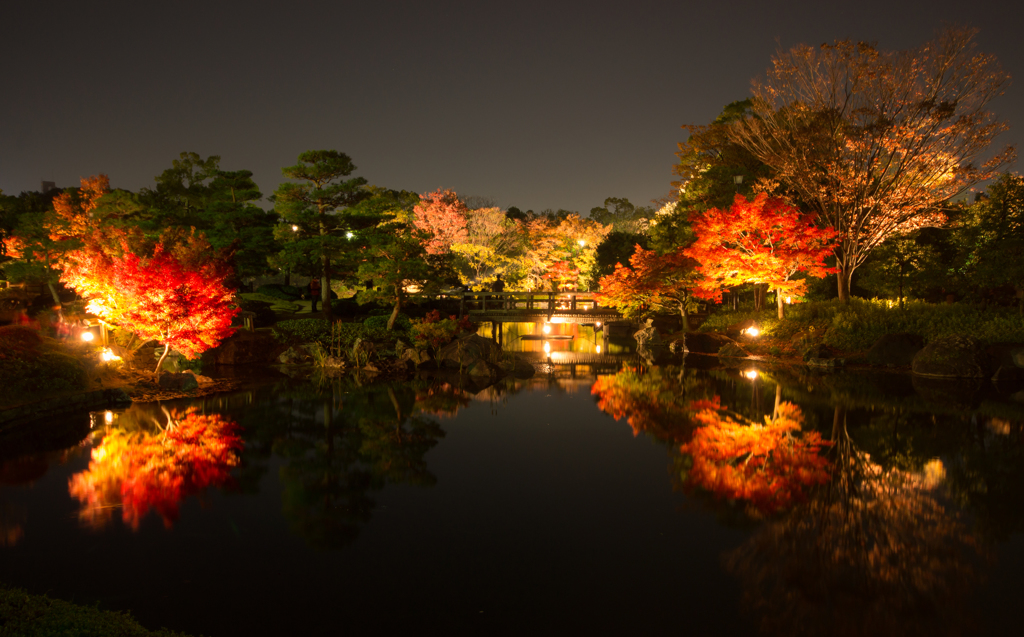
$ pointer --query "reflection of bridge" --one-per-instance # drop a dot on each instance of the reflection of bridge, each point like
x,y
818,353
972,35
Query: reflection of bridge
x,y
535,307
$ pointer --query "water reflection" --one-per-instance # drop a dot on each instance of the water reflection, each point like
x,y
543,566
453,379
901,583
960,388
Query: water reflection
x,y
886,536
138,470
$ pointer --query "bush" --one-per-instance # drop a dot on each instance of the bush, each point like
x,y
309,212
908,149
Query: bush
x,y
345,307
435,331
402,322
32,365
310,330
281,291
301,331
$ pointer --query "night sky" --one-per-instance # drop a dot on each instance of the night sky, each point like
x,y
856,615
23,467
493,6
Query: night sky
x,y
536,105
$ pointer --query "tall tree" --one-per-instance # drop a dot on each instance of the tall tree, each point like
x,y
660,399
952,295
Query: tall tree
x,y
311,208
991,237
623,216
764,241
232,221
873,141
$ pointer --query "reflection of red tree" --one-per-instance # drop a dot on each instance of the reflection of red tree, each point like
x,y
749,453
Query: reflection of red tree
x,y
658,402
146,471
770,466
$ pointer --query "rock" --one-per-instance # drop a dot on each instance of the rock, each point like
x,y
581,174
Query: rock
x,y
678,346
706,342
648,336
467,349
182,381
483,369
245,348
732,350
517,367
815,351
953,357
293,356
895,350
734,330
829,363
416,357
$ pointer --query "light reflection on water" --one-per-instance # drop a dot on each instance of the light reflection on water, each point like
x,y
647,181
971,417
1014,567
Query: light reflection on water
x,y
808,501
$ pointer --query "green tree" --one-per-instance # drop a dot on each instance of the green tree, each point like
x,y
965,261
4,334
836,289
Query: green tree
x,y
311,209
181,193
991,237
232,221
901,267
623,216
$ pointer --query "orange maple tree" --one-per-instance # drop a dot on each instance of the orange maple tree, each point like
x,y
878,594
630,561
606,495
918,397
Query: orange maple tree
x,y
73,212
444,217
654,282
174,293
761,241
770,466
658,401
143,471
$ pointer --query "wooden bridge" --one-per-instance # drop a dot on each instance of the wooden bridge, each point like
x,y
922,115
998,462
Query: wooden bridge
x,y
535,307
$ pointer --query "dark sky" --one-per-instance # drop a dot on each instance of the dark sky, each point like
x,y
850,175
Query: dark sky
x,y
537,105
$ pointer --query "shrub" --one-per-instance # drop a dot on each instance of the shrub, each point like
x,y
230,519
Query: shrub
x,y
435,331
31,364
309,330
402,322
281,291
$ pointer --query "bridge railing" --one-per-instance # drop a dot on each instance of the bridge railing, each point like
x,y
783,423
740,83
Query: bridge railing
x,y
549,302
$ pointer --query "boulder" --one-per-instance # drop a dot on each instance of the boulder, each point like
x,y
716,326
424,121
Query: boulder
x,y
732,350
517,368
678,346
467,349
293,356
416,357
480,369
953,357
1008,361
182,381
245,348
648,336
706,342
895,350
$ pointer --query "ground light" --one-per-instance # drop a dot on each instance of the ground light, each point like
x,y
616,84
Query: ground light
x,y
87,336
752,331
751,374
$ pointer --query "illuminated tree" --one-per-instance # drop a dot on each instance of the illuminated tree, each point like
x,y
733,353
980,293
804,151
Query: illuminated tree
x,y
770,467
876,142
763,241
570,240
174,293
653,282
492,246
141,471
442,216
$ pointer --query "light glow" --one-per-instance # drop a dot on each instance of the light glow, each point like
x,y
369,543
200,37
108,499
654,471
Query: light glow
x,y
546,329
752,332
108,356
547,347
108,417
87,336
295,228
751,374
598,349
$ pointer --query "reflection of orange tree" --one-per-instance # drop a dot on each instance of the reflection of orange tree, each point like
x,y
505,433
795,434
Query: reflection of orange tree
x,y
144,471
769,466
656,401
441,399
875,554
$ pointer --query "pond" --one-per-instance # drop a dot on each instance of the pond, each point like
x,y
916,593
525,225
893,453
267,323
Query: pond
x,y
594,497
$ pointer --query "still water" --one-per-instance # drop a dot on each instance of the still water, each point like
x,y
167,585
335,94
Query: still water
x,y
595,497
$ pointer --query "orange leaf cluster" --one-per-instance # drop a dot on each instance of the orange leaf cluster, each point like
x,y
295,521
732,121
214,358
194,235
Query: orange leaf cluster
x,y
144,471
769,466
764,240
443,216
73,212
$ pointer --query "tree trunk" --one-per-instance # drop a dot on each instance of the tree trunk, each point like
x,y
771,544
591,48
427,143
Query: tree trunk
x,y
843,277
398,307
325,262
781,303
160,362
686,317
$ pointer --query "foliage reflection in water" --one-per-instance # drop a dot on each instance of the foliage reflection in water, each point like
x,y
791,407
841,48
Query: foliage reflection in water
x,y
884,544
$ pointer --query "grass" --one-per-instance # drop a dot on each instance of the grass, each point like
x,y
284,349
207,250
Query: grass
x,y
28,615
855,327
31,364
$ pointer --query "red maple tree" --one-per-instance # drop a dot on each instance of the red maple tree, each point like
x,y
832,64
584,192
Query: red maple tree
x,y
174,293
443,216
654,282
762,241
